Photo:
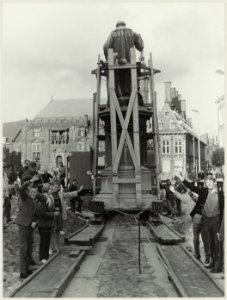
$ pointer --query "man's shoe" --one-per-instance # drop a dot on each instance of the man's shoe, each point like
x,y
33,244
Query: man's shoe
x,y
32,263
25,275
210,266
197,256
214,270
206,261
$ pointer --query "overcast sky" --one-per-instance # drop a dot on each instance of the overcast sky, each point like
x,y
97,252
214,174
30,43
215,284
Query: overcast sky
x,y
51,48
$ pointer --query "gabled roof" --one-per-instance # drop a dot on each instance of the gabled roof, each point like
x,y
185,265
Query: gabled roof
x,y
12,129
180,123
66,108
167,115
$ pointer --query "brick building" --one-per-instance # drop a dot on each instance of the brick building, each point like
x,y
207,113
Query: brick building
x,y
178,141
61,127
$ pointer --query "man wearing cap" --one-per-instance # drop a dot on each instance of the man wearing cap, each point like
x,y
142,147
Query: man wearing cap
x,y
211,204
121,40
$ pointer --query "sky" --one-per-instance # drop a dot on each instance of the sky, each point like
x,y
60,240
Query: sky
x,y
49,50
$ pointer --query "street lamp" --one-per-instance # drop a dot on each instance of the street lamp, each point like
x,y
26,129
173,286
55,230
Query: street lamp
x,y
199,154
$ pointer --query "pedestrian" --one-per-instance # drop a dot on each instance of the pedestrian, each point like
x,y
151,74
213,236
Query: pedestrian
x,y
62,174
24,168
33,170
121,40
211,205
170,199
75,200
6,199
46,177
180,188
199,229
60,200
26,220
46,220
219,264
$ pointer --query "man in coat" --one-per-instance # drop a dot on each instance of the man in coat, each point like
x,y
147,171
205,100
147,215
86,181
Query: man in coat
x,y
211,205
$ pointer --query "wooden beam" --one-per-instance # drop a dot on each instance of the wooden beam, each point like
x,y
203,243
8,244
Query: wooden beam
x,y
124,130
112,107
121,119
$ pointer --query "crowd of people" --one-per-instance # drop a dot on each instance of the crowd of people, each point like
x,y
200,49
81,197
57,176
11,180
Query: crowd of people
x,y
42,202
207,213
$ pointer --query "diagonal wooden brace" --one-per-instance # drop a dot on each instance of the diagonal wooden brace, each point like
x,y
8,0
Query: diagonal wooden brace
x,y
122,122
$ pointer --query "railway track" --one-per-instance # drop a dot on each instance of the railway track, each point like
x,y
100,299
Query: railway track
x,y
188,275
115,260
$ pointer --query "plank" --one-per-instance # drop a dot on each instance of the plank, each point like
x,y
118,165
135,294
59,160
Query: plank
x,y
189,274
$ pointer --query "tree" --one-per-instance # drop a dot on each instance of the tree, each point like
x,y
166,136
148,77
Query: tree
x,y
218,158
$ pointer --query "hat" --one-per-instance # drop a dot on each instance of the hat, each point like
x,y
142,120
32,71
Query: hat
x,y
120,23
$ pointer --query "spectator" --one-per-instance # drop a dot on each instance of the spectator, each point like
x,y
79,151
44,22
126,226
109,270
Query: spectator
x,y
75,200
24,169
180,188
26,221
199,228
46,214
7,199
60,199
170,199
220,261
62,174
46,177
32,170
211,204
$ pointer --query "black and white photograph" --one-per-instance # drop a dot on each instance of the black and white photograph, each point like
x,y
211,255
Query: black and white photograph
x,y
113,145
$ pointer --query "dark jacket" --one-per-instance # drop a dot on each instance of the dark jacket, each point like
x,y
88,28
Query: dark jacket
x,y
26,214
22,171
202,193
44,213
121,40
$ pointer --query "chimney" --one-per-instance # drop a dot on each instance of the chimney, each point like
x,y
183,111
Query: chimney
x,y
173,93
183,107
168,92
178,103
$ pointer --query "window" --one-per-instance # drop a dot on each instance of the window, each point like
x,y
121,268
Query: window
x,y
36,150
172,125
59,136
80,146
178,146
36,132
81,132
165,147
159,125
166,113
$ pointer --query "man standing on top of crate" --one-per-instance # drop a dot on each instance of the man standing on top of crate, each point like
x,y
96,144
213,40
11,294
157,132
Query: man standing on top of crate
x,y
121,40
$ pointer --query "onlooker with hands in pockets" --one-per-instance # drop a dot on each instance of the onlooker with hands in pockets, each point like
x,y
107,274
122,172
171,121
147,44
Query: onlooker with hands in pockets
x,y
27,220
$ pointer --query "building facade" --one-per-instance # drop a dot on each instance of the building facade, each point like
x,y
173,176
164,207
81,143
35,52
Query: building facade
x,y
177,141
221,121
61,127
